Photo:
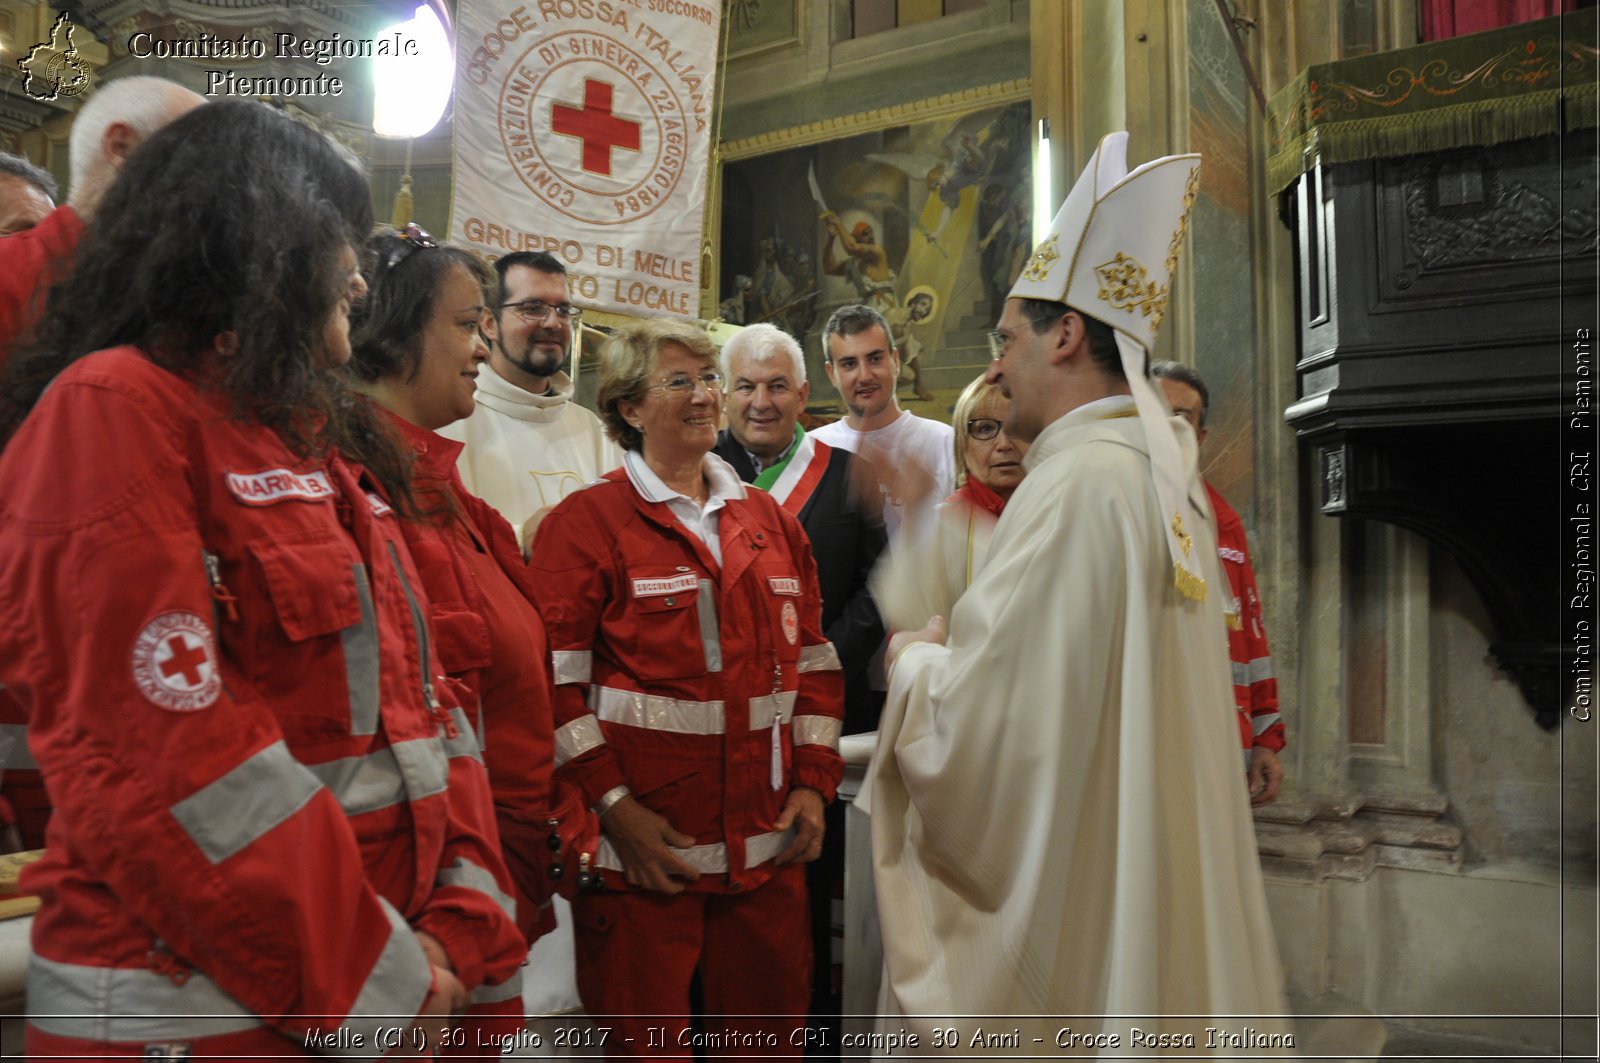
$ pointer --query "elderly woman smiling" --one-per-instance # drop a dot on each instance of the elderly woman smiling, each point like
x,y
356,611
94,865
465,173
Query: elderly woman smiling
x,y
697,707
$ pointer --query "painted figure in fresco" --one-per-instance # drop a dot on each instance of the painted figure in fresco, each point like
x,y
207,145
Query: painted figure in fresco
x,y
773,289
864,263
920,305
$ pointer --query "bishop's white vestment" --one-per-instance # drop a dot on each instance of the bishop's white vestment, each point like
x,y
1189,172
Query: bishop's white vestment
x,y
1059,824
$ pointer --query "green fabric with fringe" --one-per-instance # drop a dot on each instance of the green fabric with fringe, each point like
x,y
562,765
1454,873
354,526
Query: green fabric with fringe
x,y
1532,80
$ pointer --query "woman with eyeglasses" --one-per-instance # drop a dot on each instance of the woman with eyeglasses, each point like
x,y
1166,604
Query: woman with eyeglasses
x,y
698,709
418,348
937,563
271,832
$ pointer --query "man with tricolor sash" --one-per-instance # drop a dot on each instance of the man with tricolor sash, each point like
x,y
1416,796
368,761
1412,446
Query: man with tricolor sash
x,y
765,374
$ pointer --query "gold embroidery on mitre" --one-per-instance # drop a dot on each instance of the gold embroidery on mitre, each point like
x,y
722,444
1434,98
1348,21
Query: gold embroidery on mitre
x,y
1044,257
1184,539
1125,284
1191,192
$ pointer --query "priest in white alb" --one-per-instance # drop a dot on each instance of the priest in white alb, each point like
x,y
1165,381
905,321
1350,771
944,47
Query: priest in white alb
x,y
1057,823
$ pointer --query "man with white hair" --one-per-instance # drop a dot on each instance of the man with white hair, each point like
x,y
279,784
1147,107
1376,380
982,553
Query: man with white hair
x,y
104,132
1057,823
764,372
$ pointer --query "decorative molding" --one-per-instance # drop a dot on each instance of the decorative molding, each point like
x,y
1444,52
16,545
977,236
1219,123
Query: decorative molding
x,y
1310,841
879,118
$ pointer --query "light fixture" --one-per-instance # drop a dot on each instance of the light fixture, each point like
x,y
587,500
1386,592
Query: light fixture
x,y
412,89
1043,194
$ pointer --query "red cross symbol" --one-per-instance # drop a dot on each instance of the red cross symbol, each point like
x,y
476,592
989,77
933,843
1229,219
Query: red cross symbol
x,y
596,126
185,658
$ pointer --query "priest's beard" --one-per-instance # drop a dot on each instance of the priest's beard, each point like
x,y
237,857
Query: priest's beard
x,y
535,359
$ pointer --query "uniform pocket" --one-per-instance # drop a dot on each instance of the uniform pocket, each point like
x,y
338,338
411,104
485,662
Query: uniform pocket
x,y
665,636
317,584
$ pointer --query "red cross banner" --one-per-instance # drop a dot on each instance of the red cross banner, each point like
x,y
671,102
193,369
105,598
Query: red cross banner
x,y
582,128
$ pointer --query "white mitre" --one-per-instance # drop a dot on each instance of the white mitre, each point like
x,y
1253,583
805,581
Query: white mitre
x,y
1110,255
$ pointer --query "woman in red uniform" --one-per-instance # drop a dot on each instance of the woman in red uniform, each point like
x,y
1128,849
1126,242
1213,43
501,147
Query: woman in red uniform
x,y
418,347
698,709
271,836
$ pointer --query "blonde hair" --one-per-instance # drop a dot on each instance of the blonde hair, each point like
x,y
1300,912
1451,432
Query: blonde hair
x,y
627,360
972,397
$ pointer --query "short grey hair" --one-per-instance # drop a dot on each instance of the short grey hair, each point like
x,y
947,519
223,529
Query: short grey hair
x,y
144,103
763,343
37,176
1184,374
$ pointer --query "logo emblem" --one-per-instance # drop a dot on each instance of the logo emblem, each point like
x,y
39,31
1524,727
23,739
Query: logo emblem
x,y
175,663
1045,256
791,623
594,128
54,68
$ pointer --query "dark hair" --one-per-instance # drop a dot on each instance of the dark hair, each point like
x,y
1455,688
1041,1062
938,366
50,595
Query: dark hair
x,y
229,220
1185,375
37,176
849,320
542,261
386,329
1102,337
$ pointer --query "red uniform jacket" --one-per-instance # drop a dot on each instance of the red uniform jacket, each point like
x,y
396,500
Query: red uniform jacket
x,y
1255,687
224,652
708,690
518,739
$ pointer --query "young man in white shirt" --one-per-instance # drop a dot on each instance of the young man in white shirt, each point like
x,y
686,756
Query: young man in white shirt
x,y
914,456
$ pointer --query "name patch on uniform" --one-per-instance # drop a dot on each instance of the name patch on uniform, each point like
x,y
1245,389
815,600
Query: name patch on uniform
x,y
1228,553
380,508
653,588
785,586
271,486
174,663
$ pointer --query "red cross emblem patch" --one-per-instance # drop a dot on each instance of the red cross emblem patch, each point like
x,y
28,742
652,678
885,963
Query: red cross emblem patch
x,y
175,663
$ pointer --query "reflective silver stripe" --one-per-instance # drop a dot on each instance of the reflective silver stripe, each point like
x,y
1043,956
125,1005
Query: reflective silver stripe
x,y
765,707
420,622
397,985
572,666
577,738
710,859
820,658
1260,724
1261,668
465,743
467,875
423,766
14,752
710,630
654,713
128,1004
609,799
510,989
385,777
760,848
361,660
227,815
817,731
1241,674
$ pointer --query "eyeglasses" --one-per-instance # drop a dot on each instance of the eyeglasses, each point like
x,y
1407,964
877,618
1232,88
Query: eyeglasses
x,y
1000,339
683,385
413,238
533,311
983,429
